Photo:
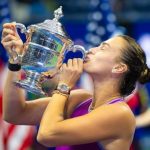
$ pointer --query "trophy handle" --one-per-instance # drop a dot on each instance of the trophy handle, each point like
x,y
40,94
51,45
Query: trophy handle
x,y
22,28
80,48
74,51
14,55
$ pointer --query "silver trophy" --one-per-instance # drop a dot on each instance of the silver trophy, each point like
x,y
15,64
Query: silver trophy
x,y
46,42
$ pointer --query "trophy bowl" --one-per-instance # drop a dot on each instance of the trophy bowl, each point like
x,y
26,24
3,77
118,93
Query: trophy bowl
x,y
45,43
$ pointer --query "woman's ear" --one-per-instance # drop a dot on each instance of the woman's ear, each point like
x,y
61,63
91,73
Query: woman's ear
x,y
119,68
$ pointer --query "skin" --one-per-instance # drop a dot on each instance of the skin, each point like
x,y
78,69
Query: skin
x,y
112,125
143,119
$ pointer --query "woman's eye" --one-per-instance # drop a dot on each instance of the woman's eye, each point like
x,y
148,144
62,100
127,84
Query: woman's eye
x,y
102,47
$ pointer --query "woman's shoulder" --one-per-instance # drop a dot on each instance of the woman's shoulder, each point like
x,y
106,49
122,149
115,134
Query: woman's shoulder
x,y
120,109
126,119
119,113
117,117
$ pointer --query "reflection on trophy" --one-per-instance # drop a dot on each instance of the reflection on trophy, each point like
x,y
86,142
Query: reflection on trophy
x,y
46,42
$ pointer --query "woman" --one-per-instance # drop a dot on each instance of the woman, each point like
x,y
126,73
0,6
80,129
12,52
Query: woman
x,y
76,118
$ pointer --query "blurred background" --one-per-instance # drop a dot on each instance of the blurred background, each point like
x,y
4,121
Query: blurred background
x,y
87,22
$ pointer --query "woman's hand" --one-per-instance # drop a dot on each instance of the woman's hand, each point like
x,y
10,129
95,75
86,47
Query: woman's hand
x,y
11,40
70,72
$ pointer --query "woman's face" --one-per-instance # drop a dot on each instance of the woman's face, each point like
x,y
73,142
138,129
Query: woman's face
x,y
101,60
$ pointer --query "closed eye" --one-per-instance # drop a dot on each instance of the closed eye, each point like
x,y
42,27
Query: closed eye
x,y
104,45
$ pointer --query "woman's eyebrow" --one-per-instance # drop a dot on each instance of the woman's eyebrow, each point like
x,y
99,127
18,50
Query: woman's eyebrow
x,y
105,43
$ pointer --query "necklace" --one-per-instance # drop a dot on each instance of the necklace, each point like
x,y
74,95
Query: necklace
x,y
114,99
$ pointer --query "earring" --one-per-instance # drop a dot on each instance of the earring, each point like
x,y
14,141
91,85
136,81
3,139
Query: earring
x,y
113,70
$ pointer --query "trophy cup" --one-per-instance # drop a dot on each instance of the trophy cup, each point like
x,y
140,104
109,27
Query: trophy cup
x,y
46,41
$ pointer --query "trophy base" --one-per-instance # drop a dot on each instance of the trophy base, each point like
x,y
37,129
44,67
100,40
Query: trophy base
x,y
30,87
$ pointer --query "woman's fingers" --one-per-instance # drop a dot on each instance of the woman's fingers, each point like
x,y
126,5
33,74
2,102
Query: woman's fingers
x,y
80,64
6,32
75,63
9,28
8,25
64,66
10,43
69,63
8,38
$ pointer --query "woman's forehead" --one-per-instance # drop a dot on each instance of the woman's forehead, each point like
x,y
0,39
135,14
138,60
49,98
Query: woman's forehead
x,y
116,42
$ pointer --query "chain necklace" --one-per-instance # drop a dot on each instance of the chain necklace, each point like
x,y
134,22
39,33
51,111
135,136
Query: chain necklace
x,y
91,107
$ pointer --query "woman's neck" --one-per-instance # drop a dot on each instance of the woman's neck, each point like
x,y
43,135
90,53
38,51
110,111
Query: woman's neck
x,y
104,92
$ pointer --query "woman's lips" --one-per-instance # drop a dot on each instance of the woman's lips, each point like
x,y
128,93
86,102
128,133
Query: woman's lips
x,y
86,59
88,54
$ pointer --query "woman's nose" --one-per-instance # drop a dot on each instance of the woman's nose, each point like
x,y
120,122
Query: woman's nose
x,y
91,51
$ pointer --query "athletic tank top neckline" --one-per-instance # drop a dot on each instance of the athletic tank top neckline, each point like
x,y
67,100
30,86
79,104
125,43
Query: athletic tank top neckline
x,y
119,99
80,110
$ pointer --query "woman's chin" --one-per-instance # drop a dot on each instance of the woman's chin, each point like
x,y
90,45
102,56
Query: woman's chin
x,y
86,67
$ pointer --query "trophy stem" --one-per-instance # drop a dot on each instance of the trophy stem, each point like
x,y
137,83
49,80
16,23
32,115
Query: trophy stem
x,y
31,83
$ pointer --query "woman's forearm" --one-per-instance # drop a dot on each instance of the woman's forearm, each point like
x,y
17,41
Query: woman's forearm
x,y
53,114
13,97
143,119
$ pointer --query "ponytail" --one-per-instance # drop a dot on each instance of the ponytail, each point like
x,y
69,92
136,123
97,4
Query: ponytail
x,y
145,75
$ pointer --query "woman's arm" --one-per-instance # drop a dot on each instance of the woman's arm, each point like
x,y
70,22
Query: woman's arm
x,y
98,125
13,97
108,121
143,119
17,110
30,112
15,107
